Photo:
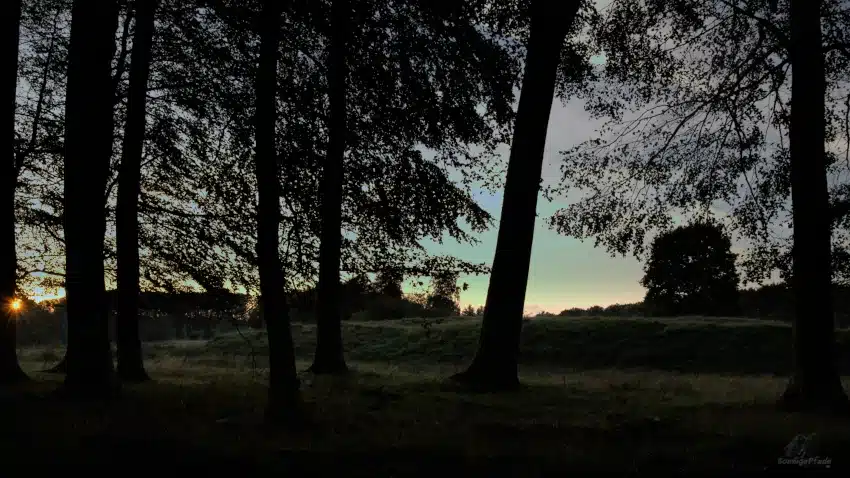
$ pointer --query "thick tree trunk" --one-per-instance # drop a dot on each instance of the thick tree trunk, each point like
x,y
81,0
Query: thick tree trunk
x,y
329,358
88,148
130,363
815,383
495,364
284,401
10,369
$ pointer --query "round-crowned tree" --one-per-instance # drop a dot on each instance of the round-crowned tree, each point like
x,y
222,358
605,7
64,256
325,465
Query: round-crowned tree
x,y
691,271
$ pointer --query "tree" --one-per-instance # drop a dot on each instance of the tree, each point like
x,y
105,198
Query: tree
x,y
468,311
595,310
572,312
284,397
691,271
88,148
329,357
445,293
388,283
130,363
495,364
10,369
815,382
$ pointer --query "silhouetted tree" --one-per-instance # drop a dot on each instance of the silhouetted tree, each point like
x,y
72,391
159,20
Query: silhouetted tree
x,y
691,271
130,363
815,382
10,369
284,400
445,293
495,364
616,310
595,310
329,358
88,148
388,283
355,291
572,312
468,311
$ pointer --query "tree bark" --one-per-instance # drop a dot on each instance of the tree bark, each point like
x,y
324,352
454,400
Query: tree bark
x,y
494,367
130,362
815,383
284,400
329,357
88,148
10,369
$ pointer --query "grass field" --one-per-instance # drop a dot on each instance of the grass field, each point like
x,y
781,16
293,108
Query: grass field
x,y
686,395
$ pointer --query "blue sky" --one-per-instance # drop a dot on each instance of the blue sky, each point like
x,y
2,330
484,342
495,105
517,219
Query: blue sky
x,y
565,272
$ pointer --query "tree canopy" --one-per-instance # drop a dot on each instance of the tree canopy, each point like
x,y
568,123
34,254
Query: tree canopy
x,y
696,99
691,271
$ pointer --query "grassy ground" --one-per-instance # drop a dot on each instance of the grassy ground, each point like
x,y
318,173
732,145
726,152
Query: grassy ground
x,y
629,396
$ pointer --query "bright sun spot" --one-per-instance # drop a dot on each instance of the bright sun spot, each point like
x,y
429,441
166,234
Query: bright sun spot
x,y
16,305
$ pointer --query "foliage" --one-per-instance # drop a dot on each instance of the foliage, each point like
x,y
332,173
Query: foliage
x,y
572,312
691,271
197,230
696,96
444,295
388,283
595,310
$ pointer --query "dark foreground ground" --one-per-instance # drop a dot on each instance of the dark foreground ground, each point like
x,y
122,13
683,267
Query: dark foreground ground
x,y
397,417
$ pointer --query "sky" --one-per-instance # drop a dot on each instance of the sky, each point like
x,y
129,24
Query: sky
x,y
565,272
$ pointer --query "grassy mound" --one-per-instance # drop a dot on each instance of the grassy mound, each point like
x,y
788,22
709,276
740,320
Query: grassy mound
x,y
587,406
734,346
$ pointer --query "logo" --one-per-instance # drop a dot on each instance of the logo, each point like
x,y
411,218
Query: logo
x,y
802,451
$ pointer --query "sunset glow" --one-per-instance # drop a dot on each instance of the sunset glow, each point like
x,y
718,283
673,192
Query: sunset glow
x,y
16,305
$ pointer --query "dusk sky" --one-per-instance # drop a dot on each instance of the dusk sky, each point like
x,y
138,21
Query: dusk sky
x,y
564,271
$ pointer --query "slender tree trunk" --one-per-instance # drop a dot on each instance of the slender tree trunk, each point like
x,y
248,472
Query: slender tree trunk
x,y
88,148
815,383
130,363
10,369
284,401
495,364
329,358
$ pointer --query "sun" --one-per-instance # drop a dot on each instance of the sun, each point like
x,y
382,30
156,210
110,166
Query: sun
x,y
16,305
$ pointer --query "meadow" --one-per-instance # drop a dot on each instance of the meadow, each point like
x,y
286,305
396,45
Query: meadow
x,y
688,394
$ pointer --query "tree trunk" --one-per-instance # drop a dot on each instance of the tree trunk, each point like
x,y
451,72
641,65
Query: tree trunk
x,y
88,148
815,383
10,369
130,363
284,400
329,358
495,364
